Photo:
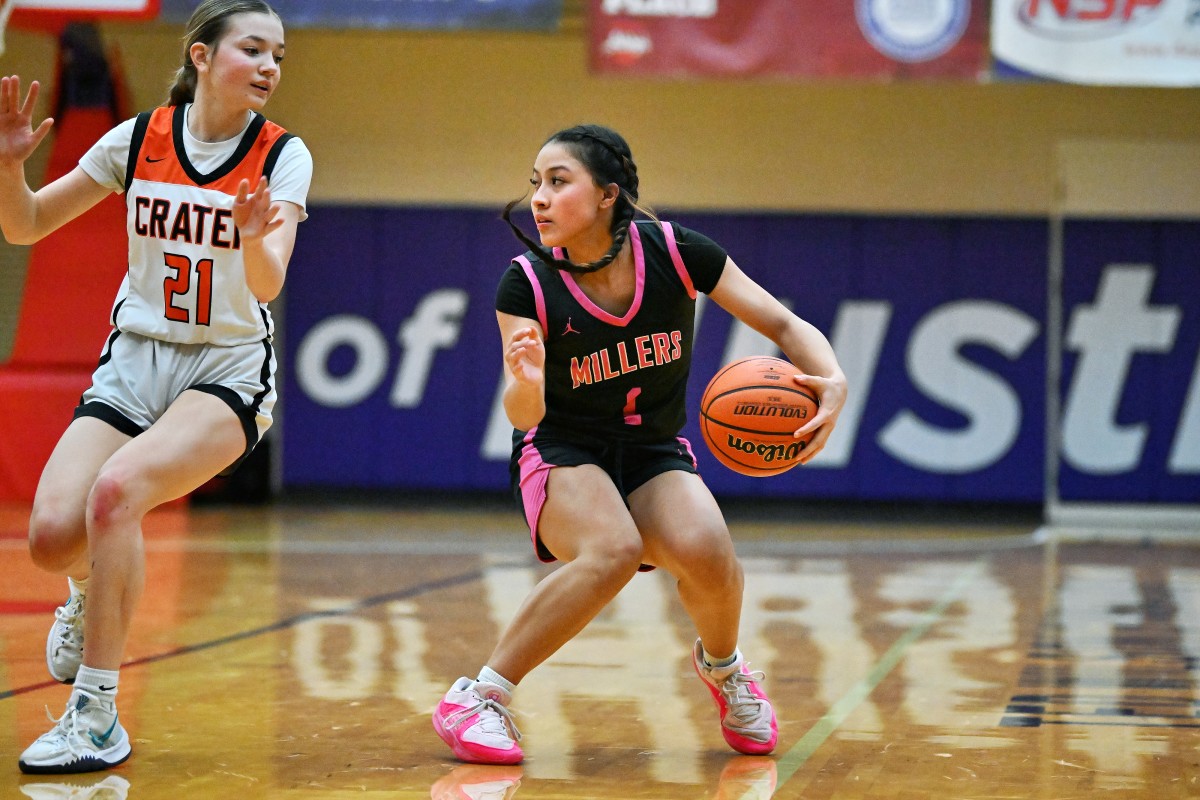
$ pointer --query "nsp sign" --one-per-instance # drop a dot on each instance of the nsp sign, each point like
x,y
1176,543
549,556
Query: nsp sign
x,y
1099,42
1079,19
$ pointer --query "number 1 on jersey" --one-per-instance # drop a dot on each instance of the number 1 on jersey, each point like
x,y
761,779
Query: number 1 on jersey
x,y
631,415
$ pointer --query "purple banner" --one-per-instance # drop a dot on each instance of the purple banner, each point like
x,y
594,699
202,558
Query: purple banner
x,y
394,360
1131,372
393,354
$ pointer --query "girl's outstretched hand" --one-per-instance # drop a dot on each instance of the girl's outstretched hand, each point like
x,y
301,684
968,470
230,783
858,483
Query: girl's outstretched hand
x,y
253,213
18,137
832,396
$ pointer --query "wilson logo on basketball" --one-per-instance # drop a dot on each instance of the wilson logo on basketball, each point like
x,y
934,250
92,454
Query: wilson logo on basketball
x,y
750,413
769,453
760,410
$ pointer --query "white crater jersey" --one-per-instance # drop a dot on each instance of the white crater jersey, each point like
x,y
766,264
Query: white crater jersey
x,y
186,280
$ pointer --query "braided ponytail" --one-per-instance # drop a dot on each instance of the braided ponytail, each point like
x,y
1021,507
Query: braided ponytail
x,y
606,155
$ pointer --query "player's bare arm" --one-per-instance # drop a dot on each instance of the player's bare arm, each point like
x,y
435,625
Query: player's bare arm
x,y
268,233
800,341
524,370
27,216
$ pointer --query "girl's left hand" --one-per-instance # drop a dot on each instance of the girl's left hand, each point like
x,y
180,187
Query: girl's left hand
x,y
253,213
832,396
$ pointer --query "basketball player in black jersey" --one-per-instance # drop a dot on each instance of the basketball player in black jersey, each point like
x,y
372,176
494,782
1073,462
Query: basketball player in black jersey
x,y
597,322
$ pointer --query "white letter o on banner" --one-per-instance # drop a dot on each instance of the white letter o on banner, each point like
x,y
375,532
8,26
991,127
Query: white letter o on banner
x,y
370,360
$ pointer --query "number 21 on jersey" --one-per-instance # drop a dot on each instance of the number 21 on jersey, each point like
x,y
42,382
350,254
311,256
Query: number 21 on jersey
x,y
178,283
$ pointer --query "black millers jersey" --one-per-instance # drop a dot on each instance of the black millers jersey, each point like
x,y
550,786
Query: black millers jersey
x,y
618,377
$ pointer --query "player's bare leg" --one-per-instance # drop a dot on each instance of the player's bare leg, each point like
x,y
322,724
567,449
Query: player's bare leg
x,y
58,532
685,534
195,439
585,524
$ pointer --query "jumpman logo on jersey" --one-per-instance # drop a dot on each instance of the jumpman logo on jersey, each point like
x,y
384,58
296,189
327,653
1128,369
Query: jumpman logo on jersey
x,y
569,328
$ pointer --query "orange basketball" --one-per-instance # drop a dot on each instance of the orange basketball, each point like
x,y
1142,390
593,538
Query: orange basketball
x,y
748,413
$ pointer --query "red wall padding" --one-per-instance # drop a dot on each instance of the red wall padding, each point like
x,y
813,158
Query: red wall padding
x,y
72,278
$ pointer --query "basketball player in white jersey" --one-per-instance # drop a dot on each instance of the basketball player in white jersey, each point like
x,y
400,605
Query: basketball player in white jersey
x,y
186,380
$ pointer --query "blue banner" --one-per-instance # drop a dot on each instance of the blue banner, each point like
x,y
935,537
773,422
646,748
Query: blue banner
x,y
1131,371
411,14
393,353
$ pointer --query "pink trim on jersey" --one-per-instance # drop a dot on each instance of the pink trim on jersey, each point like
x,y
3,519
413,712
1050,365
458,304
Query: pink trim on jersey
x,y
688,446
639,261
535,473
677,260
539,299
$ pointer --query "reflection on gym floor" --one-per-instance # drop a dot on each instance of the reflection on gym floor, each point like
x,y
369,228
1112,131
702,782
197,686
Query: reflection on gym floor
x,y
297,652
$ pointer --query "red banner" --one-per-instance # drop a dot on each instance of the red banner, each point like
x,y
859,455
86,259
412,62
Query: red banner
x,y
871,39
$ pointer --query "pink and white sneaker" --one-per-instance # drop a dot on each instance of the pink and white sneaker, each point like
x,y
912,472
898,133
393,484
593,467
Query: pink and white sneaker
x,y
747,719
473,720
747,778
478,782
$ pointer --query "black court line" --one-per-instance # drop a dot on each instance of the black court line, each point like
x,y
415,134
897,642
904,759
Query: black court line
x,y
275,627
1035,722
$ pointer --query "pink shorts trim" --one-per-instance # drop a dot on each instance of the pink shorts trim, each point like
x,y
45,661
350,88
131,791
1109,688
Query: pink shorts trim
x,y
535,473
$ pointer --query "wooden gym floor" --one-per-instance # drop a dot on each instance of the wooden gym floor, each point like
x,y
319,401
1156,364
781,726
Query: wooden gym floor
x,y
295,652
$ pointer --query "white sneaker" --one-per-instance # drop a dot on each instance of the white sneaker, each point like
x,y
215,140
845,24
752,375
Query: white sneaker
x,y
114,787
87,738
64,645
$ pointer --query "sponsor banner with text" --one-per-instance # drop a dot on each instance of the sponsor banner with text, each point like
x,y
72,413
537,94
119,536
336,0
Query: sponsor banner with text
x,y
1114,42
1131,362
870,39
413,14
392,368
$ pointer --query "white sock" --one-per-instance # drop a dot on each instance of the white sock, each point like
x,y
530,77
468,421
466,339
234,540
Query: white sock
x,y
78,587
99,682
713,662
489,675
